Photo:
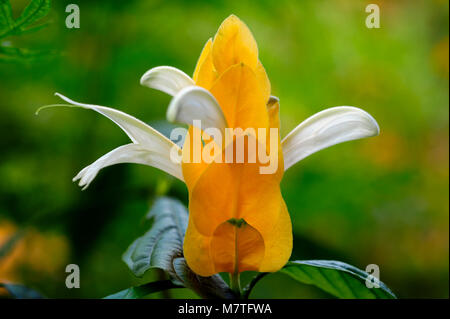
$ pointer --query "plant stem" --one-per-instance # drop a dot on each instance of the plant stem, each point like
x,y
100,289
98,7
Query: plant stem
x,y
235,284
248,289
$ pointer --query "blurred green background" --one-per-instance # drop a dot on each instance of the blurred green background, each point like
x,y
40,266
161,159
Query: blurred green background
x,y
379,201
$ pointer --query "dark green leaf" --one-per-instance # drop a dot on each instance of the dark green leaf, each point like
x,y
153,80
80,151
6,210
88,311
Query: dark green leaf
x,y
337,278
21,292
144,290
163,242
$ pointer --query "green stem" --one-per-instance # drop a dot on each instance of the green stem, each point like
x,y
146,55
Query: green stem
x,y
235,284
248,289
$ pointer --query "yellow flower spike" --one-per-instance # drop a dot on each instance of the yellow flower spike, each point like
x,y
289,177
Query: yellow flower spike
x,y
233,207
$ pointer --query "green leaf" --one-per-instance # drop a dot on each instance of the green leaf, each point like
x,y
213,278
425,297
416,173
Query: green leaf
x,y
337,278
32,29
35,11
23,55
21,292
144,290
25,23
6,18
163,242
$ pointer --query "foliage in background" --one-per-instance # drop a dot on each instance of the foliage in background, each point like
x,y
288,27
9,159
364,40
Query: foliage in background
x,y
386,204
29,21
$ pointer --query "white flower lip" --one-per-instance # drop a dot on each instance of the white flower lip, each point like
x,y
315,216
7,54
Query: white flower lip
x,y
166,79
326,128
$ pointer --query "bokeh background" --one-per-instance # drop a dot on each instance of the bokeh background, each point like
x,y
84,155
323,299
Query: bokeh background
x,y
379,201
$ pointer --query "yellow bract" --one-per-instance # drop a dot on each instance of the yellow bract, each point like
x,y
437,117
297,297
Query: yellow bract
x,y
205,73
240,96
236,246
238,220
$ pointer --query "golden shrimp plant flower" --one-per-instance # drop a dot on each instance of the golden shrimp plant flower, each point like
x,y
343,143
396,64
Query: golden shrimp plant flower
x,y
238,220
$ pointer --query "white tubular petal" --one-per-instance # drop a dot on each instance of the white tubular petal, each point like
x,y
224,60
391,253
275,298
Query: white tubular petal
x,y
167,79
129,153
326,128
137,131
195,103
140,133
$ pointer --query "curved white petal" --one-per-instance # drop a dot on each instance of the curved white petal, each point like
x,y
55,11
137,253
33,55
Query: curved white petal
x,y
195,103
167,79
137,131
326,128
157,147
129,153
